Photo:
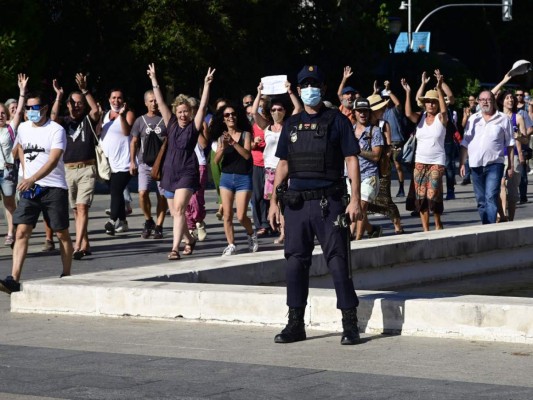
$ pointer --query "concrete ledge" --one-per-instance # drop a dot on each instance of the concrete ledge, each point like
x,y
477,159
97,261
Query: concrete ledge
x,y
506,319
170,291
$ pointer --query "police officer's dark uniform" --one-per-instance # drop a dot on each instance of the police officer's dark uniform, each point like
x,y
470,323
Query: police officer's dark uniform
x,y
314,146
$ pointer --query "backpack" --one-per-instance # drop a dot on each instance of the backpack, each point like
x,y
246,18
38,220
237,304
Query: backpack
x,y
152,145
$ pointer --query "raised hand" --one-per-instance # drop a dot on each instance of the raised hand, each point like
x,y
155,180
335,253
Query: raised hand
x,y
209,77
405,85
81,80
151,71
386,85
425,78
440,78
58,89
22,82
123,110
347,72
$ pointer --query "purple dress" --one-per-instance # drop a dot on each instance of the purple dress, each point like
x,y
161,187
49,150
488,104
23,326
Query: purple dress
x,y
181,169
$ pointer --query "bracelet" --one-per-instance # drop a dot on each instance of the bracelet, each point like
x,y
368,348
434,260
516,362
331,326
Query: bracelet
x,y
155,86
57,99
84,92
22,95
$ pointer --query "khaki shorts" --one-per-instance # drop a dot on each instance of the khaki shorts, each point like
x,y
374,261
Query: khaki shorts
x,y
81,183
370,189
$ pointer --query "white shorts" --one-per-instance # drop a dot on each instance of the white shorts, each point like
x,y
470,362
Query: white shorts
x,y
370,189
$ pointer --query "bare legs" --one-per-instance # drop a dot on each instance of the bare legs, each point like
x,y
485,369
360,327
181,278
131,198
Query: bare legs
x,y
241,201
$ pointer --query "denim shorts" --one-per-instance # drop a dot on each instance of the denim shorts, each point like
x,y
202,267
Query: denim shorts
x,y
236,182
8,187
170,195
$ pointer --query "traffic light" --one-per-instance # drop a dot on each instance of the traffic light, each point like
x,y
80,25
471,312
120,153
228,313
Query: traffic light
x,y
507,7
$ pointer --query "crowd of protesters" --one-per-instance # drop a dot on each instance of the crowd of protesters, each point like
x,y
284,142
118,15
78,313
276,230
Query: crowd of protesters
x,y
58,157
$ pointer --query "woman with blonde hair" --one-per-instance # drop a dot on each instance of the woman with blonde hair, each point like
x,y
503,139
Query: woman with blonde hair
x,y
180,173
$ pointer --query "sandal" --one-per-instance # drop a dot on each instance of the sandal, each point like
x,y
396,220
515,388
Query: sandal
x,y
173,255
279,240
189,248
78,254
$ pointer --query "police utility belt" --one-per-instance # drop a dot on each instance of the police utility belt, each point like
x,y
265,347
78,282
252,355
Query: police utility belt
x,y
294,198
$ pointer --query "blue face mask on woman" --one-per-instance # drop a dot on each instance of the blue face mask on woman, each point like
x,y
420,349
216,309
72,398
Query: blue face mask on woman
x,y
33,115
311,96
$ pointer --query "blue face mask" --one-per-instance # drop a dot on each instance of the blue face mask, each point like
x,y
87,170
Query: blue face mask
x,y
311,96
33,115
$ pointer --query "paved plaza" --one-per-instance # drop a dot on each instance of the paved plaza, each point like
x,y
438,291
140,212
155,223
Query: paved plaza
x,y
71,357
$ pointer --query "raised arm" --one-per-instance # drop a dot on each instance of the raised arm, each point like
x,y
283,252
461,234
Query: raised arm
x,y
443,109
261,121
423,82
294,99
392,96
163,108
446,89
498,87
200,114
23,84
54,113
345,75
94,113
412,116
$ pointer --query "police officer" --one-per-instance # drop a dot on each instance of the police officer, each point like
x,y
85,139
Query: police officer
x,y
313,148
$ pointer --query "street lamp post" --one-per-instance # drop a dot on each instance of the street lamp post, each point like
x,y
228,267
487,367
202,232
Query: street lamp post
x,y
406,5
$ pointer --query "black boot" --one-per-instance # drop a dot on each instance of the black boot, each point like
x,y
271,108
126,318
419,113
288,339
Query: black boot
x,y
295,329
350,331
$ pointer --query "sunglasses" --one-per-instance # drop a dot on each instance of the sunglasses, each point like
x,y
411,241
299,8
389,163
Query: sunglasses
x,y
279,109
35,107
310,82
230,114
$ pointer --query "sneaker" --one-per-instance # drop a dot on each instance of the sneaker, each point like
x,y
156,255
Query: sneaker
x,y
450,195
465,182
108,211
122,227
48,246
9,285
148,227
158,232
229,251
110,228
253,243
376,232
200,228
9,240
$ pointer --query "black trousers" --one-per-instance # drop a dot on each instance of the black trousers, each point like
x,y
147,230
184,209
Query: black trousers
x,y
260,206
302,224
117,184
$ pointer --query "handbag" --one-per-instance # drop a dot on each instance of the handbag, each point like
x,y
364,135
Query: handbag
x,y
102,163
11,170
157,168
408,150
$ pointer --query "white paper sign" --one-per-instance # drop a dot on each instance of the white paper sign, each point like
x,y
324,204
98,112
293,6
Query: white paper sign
x,y
274,84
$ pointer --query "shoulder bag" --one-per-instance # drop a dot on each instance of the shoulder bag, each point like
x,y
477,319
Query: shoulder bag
x,y
408,150
157,168
102,163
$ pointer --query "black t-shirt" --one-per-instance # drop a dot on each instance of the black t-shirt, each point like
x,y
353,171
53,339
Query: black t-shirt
x,y
80,140
234,163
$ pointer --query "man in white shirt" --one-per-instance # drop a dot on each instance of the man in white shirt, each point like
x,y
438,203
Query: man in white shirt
x,y
488,135
41,143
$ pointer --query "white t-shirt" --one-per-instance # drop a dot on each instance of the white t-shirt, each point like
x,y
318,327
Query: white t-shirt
x,y
200,155
115,144
6,147
37,142
430,142
486,140
269,152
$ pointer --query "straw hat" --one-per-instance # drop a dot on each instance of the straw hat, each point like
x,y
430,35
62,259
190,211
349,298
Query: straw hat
x,y
430,95
377,102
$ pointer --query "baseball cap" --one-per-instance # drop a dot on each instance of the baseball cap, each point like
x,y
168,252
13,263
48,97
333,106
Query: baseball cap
x,y
349,89
310,72
361,104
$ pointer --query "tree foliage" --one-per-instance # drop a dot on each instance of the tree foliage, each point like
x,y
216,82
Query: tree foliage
x,y
115,40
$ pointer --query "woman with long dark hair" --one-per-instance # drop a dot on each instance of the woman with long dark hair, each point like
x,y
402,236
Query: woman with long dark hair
x,y
231,128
